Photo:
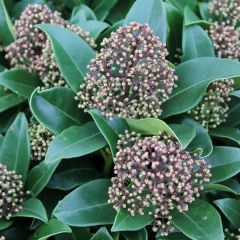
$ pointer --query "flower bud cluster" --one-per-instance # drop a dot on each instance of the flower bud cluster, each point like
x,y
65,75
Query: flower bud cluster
x,y
154,175
40,138
130,76
231,236
226,11
2,238
32,51
212,109
11,193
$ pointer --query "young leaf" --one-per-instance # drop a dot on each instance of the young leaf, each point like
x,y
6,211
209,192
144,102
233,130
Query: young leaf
x,y
225,163
56,109
72,178
194,77
101,234
33,208
152,12
15,148
87,205
6,27
72,53
105,128
226,132
19,81
202,143
137,235
125,222
231,209
9,99
52,228
201,221
73,142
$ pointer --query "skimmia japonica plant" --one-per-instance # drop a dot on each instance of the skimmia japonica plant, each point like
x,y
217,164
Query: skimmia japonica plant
x,y
119,120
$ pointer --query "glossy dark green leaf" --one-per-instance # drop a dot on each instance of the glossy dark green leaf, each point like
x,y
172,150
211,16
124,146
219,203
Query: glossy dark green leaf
x,y
72,178
201,221
15,148
231,209
225,163
5,224
233,119
191,18
72,53
231,186
54,227
6,26
33,208
202,143
102,7
83,233
153,126
56,109
172,236
105,128
19,81
226,132
196,43
137,235
73,142
194,77
87,205
180,5
102,234
9,99
152,12
125,222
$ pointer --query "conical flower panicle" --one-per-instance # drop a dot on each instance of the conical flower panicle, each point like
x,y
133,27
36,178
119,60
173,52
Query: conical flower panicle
x,y
212,110
32,51
130,76
11,193
155,172
25,51
40,138
226,40
225,11
231,236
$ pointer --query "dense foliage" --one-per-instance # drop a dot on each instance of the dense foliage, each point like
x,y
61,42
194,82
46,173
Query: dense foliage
x,y
119,119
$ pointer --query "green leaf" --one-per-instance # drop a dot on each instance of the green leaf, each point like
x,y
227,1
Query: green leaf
x,y
72,53
102,7
194,77
230,185
180,5
73,142
5,224
33,208
202,143
102,234
172,236
15,148
201,221
191,18
19,81
203,9
53,228
9,99
196,43
125,222
137,235
6,26
82,13
226,132
56,109
72,178
153,126
87,205
105,128
225,163
152,12
231,209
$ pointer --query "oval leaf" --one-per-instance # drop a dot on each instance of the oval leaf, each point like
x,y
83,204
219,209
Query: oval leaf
x,y
138,235
71,52
102,234
15,148
87,205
